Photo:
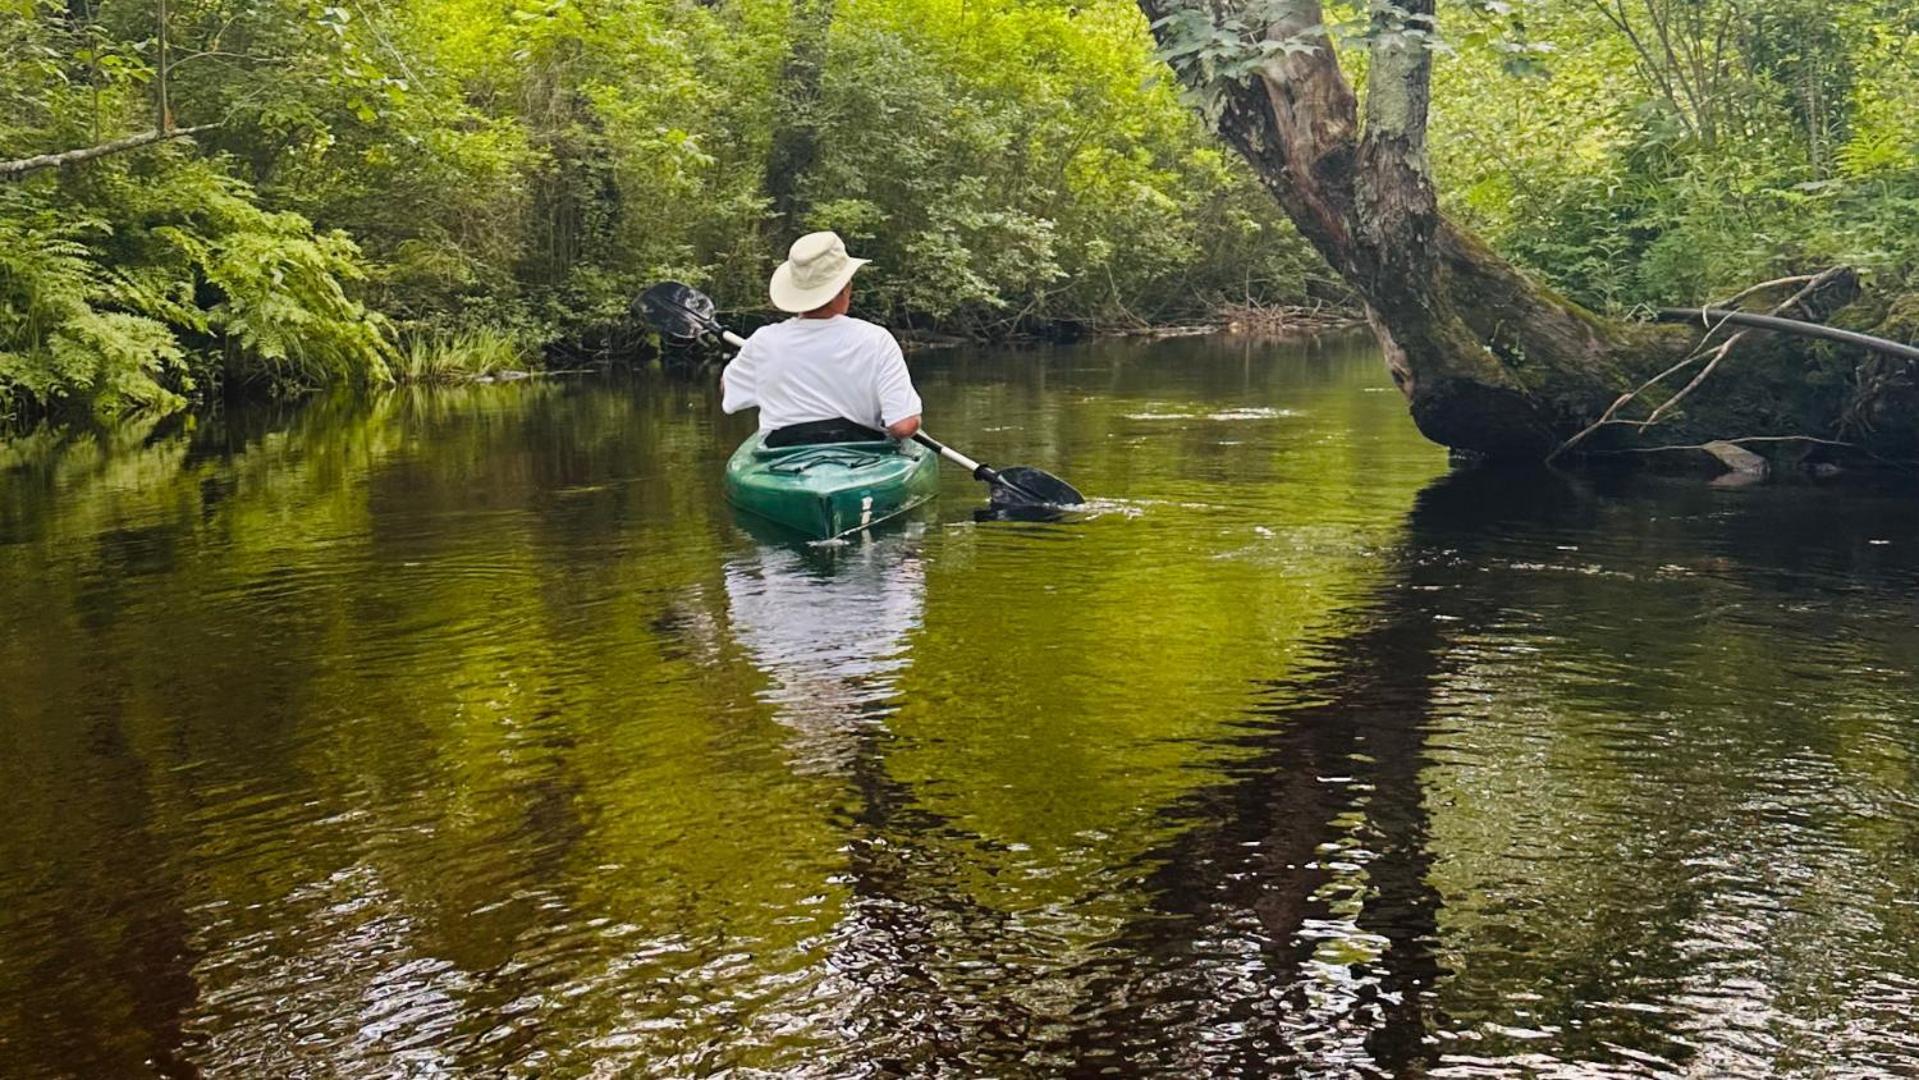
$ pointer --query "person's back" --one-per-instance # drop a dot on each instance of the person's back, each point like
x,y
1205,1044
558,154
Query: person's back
x,y
808,370
823,367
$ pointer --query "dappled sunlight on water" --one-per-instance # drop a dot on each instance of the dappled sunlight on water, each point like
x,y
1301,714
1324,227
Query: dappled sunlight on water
x,y
470,733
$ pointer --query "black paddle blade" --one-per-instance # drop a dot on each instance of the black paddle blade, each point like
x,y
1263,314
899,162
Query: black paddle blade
x,y
1021,486
679,312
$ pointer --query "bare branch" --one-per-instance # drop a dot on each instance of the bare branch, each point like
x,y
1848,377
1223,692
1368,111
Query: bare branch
x,y
1613,410
1740,441
1655,72
1718,355
1762,287
1811,284
23,166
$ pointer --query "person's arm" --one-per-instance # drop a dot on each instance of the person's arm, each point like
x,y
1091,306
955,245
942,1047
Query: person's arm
x,y
738,386
899,402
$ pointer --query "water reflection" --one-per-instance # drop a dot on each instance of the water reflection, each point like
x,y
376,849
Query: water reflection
x,y
1310,916
1292,924
468,734
828,625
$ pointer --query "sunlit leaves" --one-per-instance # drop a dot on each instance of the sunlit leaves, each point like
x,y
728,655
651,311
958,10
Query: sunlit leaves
x,y
1604,181
100,308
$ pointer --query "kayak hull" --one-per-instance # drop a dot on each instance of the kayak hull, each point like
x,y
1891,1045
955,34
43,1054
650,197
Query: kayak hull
x,y
827,490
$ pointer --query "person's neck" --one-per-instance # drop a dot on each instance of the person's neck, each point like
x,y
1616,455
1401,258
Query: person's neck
x,y
831,309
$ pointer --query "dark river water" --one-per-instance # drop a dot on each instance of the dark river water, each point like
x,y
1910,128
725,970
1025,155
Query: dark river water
x,y
468,733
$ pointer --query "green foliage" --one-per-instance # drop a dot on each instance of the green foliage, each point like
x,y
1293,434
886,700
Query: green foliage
x,y
458,356
131,288
53,341
1032,163
134,280
1769,140
523,168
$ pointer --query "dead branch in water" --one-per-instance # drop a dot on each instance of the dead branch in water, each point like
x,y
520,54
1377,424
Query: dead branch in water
x,y
1809,285
1740,441
1255,318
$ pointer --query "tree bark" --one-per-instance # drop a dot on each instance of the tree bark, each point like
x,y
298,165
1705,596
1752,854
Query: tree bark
x,y
1488,360
23,166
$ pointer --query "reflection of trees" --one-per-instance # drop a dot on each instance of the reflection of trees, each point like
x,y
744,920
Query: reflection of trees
x,y
107,903
459,702
1630,853
1655,770
1292,919
199,726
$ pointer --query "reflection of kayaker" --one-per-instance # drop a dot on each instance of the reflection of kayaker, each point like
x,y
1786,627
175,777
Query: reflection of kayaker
x,y
829,631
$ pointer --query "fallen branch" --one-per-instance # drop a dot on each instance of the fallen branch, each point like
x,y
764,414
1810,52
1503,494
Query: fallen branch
x,y
1729,301
1793,326
1717,355
1618,403
1742,440
1256,318
1810,284
23,166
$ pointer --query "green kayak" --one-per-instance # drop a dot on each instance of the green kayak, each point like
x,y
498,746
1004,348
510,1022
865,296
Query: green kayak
x,y
830,489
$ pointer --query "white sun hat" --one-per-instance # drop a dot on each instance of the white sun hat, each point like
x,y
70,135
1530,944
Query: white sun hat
x,y
817,267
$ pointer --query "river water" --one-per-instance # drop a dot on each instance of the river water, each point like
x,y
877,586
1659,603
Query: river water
x,y
468,733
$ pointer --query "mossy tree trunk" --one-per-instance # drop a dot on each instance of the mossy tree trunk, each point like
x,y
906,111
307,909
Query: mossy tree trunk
x,y
1488,360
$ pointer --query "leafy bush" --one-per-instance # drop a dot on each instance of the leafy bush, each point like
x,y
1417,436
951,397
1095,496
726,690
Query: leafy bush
x,y
457,356
1794,145
527,166
129,287
54,342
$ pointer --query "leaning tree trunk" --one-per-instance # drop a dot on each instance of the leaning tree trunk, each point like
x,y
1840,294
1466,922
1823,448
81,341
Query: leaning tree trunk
x,y
1488,360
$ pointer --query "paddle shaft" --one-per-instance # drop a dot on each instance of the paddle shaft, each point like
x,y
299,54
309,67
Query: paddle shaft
x,y
985,473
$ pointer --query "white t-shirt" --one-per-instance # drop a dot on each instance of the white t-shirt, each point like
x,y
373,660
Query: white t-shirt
x,y
803,370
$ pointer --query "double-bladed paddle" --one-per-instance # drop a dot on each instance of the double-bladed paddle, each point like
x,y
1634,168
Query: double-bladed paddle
x,y
683,314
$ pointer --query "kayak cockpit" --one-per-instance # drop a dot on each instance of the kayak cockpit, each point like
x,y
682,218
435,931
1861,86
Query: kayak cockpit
x,y
826,490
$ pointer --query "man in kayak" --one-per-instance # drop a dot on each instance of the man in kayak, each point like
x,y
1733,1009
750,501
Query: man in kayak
x,y
822,376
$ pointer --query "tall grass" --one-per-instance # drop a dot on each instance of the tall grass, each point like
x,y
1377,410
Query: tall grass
x,y
460,355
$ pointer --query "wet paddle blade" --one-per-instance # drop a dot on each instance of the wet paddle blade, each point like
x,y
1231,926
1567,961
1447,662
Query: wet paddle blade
x,y
1024,486
681,313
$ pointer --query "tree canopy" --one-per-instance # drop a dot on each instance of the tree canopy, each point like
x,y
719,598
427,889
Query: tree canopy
x,y
365,177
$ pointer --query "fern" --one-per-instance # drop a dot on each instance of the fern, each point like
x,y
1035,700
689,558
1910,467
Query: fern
x,y
124,290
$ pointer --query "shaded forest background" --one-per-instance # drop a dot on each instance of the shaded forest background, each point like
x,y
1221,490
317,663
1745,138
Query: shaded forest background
x,y
395,188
